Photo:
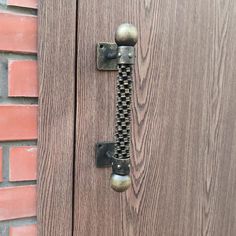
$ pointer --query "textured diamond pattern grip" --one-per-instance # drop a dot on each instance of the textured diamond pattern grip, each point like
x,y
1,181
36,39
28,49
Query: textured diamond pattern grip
x,y
123,116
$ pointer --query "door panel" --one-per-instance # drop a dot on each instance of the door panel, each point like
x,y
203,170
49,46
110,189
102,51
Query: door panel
x,y
56,60
183,120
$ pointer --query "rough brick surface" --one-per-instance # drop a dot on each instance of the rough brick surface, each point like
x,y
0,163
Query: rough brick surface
x,y
18,117
23,3
22,78
18,33
17,202
28,230
23,163
1,177
18,122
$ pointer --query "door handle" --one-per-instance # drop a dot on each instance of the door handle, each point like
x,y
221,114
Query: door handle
x,y
119,56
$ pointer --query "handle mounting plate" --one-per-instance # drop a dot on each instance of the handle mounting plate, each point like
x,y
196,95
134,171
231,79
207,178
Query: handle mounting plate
x,y
104,153
106,56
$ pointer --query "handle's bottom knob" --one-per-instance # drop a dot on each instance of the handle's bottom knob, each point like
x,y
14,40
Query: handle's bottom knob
x,y
120,183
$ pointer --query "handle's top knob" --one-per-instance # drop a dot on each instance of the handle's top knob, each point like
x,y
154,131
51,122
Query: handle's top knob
x,y
120,183
126,35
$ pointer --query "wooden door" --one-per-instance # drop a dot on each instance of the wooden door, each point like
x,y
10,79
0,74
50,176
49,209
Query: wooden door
x,y
56,59
183,120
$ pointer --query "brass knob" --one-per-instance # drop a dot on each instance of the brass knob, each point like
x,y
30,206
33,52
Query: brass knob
x,y
126,35
120,183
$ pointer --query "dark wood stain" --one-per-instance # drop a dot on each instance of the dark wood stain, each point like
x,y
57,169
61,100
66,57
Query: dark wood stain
x,y
184,120
57,27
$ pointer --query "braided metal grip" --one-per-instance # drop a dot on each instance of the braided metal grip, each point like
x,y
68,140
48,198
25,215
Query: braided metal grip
x,y
121,160
126,37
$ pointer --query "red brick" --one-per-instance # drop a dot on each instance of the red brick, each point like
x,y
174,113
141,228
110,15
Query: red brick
x,y
23,163
17,202
23,3
28,230
18,33
18,122
1,164
22,78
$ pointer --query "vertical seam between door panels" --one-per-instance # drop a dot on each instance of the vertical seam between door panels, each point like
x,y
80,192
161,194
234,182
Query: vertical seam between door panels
x,y
75,115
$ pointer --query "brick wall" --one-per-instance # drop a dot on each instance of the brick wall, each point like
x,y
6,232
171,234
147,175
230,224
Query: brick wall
x,y
18,117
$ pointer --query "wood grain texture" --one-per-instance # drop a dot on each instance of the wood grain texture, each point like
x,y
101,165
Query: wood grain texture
x,y
57,27
184,120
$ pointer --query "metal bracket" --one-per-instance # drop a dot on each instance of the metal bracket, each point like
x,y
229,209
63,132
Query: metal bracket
x,y
104,153
107,56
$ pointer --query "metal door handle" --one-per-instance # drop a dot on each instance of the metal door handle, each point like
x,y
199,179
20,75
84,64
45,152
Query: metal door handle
x,y
118,153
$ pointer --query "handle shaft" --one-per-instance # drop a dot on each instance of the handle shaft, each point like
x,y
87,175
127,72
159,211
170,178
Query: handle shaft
x,y
126,38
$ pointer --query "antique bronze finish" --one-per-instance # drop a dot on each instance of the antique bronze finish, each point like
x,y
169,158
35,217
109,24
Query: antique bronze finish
x,y
109,57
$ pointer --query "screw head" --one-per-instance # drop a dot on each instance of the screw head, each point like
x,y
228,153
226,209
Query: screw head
x,y
126,35
120,183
